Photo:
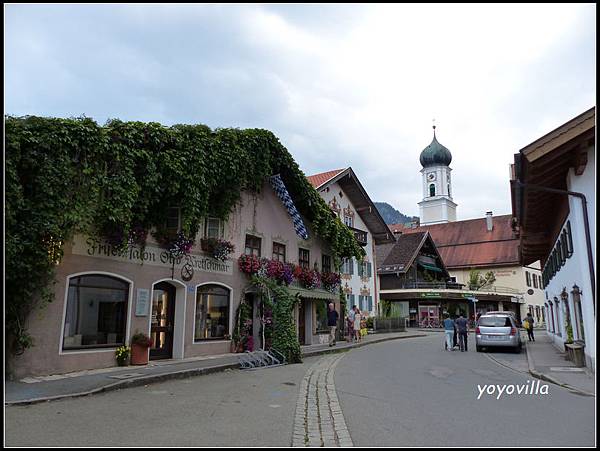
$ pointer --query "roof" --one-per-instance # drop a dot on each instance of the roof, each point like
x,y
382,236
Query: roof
x,y
363,204
318,180
546,162
399,256
464,244
435,154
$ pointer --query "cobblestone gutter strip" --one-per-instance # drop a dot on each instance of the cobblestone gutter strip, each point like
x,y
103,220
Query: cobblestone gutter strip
x,y
133,382
547,378
319,420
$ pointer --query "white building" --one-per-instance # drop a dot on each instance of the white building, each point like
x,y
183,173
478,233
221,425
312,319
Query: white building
x,y
437,205
553,199
347,198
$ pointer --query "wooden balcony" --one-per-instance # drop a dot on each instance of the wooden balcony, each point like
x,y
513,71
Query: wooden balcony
x,y
360,235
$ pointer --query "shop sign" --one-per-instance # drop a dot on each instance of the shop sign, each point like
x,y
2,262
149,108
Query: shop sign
x,y
431,295
467,295
150,255
141,304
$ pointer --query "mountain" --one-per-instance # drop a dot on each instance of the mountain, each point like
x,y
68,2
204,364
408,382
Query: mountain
x,y
390,215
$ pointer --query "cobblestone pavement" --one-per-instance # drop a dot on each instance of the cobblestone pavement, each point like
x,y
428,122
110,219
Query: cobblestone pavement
x,y
319,420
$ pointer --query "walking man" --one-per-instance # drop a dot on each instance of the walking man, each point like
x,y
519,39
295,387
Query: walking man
x,y
449,331
529,326
463,332
332,318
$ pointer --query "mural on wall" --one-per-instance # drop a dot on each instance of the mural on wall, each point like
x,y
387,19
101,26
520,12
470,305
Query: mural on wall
x,y
335,207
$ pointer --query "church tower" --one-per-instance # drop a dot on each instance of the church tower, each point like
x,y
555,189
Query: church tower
x,y
437,206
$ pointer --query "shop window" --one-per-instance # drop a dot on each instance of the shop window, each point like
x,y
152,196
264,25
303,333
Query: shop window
x,y
96,315
279,252
252,245
212,312
214,228
304,258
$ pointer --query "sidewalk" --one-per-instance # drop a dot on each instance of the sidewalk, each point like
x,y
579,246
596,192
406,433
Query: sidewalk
x,y
548,363
82,383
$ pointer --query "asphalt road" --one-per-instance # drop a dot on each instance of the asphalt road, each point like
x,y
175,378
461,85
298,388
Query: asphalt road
x,y
232,408
413,393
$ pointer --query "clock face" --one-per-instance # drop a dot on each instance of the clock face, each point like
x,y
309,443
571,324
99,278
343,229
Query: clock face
x,y
431,176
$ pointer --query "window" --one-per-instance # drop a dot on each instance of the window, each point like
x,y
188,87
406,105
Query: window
x,y
349,302
96,313
349,221
212,312
348,266
304,258
326,263
528,278
535,281
213,228
431,190
173,220
252,245
279,252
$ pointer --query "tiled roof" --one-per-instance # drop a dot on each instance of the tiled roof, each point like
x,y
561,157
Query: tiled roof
x,y
403,251
468,243
317,180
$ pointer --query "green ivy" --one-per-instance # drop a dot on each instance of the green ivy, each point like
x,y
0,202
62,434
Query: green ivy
x,y
282,302
69,176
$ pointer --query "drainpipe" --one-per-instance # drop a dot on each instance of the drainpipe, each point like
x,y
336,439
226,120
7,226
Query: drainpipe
x,y
586,225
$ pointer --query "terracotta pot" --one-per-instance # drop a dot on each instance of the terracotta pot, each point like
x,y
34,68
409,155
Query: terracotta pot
x,y
139,355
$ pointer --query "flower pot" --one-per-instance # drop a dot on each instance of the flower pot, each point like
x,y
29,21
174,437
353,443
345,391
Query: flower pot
x,y
122,362
139,355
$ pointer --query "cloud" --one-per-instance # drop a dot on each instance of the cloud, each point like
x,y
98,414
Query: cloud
x,y
339,85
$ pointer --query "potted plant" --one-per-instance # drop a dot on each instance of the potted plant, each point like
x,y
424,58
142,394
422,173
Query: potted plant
x,y
122,354
140,343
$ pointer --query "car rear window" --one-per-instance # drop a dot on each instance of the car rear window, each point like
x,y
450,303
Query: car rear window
x,y
495,321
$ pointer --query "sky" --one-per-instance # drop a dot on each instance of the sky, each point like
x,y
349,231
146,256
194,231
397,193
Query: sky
x,y
340,85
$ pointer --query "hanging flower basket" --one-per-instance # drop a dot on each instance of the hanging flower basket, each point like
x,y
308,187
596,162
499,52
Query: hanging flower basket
x,y
331,281
249,264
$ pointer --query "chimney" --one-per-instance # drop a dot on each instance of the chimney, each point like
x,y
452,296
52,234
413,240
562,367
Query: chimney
x,y
488,221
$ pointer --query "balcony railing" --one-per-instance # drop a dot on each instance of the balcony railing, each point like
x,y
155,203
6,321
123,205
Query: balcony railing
x,y
457,286
360,235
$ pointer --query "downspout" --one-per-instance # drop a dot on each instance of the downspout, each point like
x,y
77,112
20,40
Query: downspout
x,y
586,225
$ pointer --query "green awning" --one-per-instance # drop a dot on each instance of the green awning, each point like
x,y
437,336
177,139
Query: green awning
x,y
431,267
314,294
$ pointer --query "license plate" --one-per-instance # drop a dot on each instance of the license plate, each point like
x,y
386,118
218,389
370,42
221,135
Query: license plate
x,y
496,337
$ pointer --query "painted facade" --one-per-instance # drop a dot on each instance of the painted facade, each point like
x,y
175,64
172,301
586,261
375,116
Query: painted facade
x,y
205,294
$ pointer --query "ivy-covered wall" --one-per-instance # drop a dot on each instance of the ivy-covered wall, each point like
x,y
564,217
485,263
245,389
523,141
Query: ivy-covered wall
x,y
67,176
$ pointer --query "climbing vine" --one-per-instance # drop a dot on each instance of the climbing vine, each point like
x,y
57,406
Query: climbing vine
x,y
280,301
118,181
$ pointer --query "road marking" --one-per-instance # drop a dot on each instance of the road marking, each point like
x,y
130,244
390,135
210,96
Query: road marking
x,y
567,369
319,420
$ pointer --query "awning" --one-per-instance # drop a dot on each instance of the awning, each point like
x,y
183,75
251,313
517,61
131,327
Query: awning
x,y
314,294
430,267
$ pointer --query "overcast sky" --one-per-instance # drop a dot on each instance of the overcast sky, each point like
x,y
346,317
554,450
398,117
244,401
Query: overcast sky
x,y
353,85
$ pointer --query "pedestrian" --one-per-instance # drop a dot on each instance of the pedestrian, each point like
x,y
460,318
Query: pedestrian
x,y
357,318
528,323
449,331
332,319
463,332
350,319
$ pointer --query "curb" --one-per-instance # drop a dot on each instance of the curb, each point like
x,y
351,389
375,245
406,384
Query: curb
x,y
547,378
152,378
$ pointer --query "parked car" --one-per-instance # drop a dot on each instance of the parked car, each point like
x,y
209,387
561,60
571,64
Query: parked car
x,y
497,330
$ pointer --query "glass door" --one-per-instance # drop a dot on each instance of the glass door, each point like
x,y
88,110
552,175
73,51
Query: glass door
x,y
161,326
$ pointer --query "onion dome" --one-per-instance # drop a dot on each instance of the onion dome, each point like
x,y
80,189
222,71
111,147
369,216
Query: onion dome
x,y
435,154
